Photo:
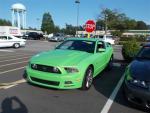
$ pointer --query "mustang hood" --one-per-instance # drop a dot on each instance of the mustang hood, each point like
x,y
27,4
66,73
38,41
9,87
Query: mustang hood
x,y
140,69
60,57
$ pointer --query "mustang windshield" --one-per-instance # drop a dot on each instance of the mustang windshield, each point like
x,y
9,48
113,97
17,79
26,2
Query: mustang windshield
x,y
144,53
79,45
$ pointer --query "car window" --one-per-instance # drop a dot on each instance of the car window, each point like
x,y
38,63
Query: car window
x,y
109,37
144,53
9,38
3,37
79,45
100,45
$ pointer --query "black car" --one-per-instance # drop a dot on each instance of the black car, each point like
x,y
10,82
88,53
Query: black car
x,y
137,79
34,36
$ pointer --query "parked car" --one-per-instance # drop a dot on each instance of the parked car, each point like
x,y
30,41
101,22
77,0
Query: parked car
x,y
34,36
11,41
137,80
57,37
148,39
72,64
106,38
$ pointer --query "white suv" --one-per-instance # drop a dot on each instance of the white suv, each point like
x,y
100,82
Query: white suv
x,y
11,41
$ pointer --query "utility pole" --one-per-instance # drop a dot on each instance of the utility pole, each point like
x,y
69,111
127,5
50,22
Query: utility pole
x,y
105,24
77,2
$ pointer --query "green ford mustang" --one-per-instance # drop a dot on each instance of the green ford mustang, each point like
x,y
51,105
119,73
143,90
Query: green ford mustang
x,y
72,64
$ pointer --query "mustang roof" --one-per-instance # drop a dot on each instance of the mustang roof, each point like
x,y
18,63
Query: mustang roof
x,y
90,39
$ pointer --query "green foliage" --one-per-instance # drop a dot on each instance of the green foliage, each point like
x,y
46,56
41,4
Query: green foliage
x,y
4,22
116,33
69,29
130,49
138,39
141,25
118,21
47,23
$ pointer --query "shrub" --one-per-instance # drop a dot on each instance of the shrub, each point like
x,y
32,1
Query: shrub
x,y
130,49
139,39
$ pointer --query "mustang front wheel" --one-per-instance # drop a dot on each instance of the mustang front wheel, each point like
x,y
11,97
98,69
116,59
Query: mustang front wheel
x,y
88,79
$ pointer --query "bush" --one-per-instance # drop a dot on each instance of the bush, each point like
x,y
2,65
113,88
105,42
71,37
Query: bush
x,y
130,49
139,39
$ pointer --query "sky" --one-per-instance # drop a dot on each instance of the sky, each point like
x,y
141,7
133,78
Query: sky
x,y
65,11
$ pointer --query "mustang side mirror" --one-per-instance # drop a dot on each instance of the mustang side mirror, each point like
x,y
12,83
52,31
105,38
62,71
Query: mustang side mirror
x,y
101,50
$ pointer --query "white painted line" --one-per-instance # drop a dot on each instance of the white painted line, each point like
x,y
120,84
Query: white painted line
x,y
4,50
12,56
117,64
15,83
110,101
11,70
7,87
14,59
12,64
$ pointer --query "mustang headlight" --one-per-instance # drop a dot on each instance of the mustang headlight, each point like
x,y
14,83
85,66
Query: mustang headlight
x,y
71,70
134,81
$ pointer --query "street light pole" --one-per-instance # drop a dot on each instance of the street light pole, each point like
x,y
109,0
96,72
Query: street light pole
x,y
38,26
105,24
77,2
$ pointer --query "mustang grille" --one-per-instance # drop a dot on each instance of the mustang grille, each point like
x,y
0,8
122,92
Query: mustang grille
x,y
45,68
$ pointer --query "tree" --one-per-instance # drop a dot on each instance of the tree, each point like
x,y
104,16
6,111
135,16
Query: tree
x,y
4,22
47,23
57,29
100,24
118,21
141,25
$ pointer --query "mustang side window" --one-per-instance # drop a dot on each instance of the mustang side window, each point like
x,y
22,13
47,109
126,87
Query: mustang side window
x,y
100,45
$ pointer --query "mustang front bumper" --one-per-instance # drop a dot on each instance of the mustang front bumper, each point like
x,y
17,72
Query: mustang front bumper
x,y
59,81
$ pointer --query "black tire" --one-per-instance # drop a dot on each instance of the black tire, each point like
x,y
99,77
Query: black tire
x,y
88,79
16,45
110,64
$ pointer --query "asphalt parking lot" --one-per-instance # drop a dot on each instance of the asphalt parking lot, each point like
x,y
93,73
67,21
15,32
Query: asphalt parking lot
x,y
17,96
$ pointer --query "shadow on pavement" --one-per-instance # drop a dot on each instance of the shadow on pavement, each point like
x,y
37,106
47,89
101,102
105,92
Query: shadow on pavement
x,y
7,106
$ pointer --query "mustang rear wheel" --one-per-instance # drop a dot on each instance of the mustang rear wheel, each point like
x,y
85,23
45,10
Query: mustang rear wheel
x,y
88,79
110,64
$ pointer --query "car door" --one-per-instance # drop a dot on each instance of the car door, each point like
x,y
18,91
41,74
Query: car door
x,y
10,41
100,57
3,41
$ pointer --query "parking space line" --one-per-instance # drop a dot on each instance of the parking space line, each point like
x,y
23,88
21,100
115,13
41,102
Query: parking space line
x,y
12,64
4,50
12,56
12,70
15,83
14,59
110,101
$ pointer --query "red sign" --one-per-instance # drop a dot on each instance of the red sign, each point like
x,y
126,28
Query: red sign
x,y
90,26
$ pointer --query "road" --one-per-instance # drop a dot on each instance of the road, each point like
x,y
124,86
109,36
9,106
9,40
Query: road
x,y
17,96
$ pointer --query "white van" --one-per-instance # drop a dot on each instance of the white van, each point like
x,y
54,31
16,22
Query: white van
x,y
107,38
11,41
